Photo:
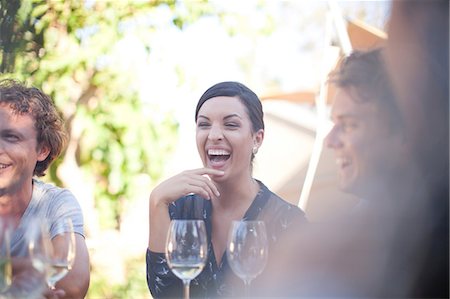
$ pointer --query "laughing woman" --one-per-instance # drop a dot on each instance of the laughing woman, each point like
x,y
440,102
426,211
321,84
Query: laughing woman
x,y
230,130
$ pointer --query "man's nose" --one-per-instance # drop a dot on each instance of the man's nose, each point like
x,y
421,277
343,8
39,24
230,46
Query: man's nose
x,y
332,140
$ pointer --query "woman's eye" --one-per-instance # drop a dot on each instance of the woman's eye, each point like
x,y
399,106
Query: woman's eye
x,y
232,125
202,124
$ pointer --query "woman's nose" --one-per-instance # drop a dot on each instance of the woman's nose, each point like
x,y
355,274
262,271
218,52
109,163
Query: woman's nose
x,y
215,133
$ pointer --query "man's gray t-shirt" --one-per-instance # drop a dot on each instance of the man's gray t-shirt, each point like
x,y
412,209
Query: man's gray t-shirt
x,y
52,204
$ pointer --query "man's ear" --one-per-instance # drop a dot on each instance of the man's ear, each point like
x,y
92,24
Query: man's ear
x,y
43,153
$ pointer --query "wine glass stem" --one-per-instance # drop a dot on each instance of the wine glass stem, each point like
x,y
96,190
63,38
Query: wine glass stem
x,y
186,284
246,288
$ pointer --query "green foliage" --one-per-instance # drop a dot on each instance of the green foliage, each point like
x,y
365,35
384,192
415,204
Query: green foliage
x,y
67,49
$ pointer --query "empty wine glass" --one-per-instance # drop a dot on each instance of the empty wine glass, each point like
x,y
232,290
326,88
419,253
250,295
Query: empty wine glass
x,y
5,255
186,250
53,257
247,250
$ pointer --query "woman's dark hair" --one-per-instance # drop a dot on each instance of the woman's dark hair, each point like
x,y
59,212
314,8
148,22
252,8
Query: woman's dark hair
x,y
245,95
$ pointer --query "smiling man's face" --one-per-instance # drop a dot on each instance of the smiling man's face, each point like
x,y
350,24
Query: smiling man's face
x,y
19,151
363,143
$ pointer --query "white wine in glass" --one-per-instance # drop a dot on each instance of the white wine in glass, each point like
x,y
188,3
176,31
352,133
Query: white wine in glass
x,y
186,250
247,250
54,257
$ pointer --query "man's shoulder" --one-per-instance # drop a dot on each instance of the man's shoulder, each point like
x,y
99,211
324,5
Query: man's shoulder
x,y
44,186
50,190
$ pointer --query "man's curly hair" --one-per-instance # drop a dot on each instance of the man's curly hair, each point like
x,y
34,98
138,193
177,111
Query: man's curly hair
x,y
49,125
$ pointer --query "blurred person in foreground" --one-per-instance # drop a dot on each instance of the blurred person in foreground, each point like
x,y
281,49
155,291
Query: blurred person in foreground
x,y
395,244
32,136
230,130
376,161
379,248
418,62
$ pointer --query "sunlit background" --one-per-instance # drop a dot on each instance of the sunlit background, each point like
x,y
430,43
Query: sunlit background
x,y
127,75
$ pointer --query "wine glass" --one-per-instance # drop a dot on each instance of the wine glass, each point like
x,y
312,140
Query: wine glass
x,y
247,250
186,250
5,255
18,279
53,257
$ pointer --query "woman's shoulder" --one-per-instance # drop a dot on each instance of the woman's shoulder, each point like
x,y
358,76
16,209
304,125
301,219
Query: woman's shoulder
x,y
280,207
276,200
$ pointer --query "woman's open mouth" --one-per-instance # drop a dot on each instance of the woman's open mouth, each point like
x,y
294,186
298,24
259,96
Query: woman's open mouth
x,y
218,157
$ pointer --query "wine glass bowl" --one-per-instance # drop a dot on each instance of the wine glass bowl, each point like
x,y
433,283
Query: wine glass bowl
x,y
53,257
186,250
247,250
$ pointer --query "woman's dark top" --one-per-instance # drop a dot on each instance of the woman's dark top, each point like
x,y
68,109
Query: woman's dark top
x,y
219,280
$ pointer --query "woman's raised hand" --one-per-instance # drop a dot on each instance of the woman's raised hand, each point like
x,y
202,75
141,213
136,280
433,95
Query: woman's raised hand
x,y
194,181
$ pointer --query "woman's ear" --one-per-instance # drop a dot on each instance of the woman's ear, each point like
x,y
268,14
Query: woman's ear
x,y
258,138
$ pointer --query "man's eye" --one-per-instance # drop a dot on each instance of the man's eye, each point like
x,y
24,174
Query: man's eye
x,y
349,126
11,137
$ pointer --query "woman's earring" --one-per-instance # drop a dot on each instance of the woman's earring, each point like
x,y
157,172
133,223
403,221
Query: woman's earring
x,y
255,150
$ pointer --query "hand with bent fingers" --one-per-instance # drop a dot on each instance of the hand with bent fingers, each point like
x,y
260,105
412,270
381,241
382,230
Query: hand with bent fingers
x,y
195,181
